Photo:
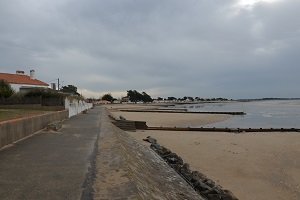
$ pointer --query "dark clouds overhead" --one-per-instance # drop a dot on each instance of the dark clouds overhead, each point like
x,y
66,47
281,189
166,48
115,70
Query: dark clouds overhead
x,y
229,48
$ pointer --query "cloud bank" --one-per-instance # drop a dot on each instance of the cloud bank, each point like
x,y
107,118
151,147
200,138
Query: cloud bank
x,y
229,48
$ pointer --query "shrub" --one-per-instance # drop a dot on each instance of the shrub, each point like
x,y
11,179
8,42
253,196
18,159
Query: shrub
x,y
5,89
42,92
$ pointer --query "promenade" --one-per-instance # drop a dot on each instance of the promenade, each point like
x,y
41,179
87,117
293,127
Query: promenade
x,y
50,165
89,158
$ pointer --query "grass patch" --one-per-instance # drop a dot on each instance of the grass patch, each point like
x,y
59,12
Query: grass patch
x,y
8,114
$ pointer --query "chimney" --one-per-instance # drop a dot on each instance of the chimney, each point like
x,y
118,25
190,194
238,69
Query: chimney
x,y
32,74
53,86
19,72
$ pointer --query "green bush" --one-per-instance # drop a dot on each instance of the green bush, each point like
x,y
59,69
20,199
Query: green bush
x,y
42,92
5,89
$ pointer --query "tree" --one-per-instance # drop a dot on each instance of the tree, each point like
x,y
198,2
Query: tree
x,y
146,97
108,97
159,99
135,96
5,89
70,89
190,98
172,99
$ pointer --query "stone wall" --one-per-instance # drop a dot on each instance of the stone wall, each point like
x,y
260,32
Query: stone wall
x,y
14,130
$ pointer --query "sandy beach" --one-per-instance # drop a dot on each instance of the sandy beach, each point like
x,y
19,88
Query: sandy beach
x,y
254,166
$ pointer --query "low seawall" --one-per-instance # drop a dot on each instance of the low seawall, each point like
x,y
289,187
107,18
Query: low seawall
x,y
17,129
126,169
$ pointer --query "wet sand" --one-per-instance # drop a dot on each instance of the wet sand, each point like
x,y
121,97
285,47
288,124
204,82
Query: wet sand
x,y
165,119
172,119
254,166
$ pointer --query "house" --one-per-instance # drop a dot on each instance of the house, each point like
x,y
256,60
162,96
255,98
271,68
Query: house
x,y
21,82
125,99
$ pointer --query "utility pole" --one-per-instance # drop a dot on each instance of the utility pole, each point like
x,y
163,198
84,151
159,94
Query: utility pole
x,y
58,84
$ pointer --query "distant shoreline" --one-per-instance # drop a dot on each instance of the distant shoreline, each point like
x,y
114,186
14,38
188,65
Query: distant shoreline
x,y
268,99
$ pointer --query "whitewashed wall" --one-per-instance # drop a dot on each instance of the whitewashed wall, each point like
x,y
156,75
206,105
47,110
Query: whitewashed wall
x,y
76,106
16,87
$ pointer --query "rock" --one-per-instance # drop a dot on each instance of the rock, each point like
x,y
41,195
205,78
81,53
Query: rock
x,y
173,158
214,197
203,185
54,126
185,171
210,183
229,195
162,151
150,140
122,118
199,175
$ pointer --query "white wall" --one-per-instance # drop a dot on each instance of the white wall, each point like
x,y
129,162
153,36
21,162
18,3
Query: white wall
x,y
16,87
76,106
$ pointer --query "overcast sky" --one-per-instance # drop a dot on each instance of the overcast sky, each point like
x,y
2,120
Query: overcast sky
x,y
206,48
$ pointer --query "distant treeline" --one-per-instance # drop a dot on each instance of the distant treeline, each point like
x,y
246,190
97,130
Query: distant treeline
x,y
135,96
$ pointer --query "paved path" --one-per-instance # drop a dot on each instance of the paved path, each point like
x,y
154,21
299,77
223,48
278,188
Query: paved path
x,y
51,165
74,164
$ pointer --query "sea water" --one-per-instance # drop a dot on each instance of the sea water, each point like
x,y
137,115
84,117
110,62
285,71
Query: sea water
x,y
259,114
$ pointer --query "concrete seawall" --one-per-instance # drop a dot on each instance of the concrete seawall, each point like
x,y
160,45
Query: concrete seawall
x,y
126,169
14,130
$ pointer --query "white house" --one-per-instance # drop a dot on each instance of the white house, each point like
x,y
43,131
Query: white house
x,y
21,82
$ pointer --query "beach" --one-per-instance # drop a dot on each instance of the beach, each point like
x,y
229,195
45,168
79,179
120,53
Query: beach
x,y
164,119
251,165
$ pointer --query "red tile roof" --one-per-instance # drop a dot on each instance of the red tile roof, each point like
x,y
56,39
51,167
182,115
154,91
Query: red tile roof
x,y
21,79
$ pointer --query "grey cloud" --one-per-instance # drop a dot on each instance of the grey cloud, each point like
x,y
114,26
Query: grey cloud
x,y
170,47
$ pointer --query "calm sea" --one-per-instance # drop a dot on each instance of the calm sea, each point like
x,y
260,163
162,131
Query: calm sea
x,y
259,114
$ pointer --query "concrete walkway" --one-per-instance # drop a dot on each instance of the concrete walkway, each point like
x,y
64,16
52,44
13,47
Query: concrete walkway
x,y
74,164
51,165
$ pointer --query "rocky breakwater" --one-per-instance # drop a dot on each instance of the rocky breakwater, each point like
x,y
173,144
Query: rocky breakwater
x,y
201,184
